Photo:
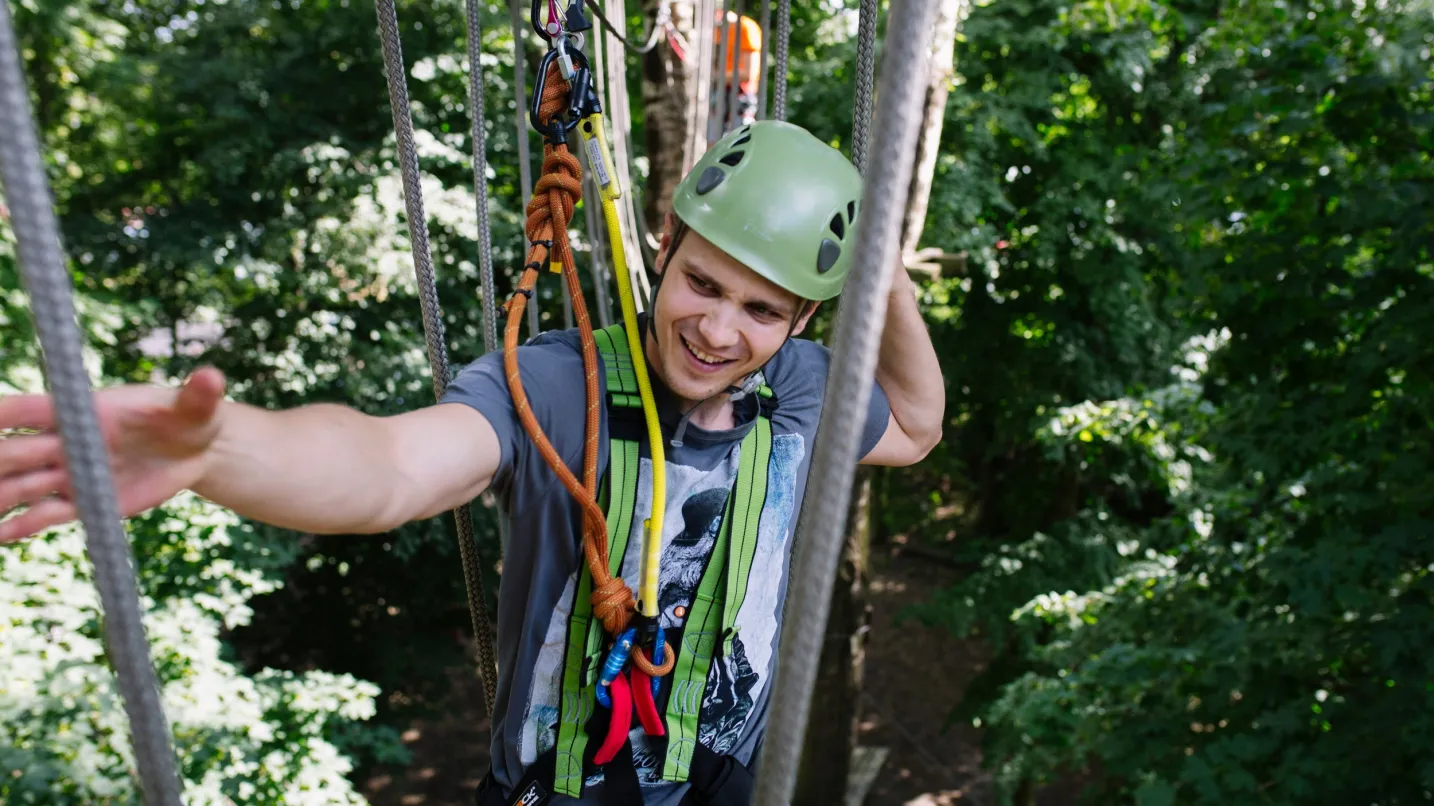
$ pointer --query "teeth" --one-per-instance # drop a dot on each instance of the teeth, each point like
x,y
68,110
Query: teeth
x,y
704,357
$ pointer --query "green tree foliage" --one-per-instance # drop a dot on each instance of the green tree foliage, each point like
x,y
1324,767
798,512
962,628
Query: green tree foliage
x,y
1187,364
1213,588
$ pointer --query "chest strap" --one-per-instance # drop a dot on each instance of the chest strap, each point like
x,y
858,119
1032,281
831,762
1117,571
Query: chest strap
x,y
711,621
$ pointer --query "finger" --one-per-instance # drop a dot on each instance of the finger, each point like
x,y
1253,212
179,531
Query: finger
x,y
25,453
28,488
200,395
27,411
36,519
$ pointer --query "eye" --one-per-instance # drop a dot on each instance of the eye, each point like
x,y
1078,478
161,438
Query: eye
x,y
700,284
763,313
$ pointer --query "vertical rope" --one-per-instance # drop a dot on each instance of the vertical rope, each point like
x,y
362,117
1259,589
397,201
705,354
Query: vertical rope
x,y
865,83
433,327
856,338
480,176
46,278
620,117
718,122
525,159
765,23
734,89
704,30
597,229
784,41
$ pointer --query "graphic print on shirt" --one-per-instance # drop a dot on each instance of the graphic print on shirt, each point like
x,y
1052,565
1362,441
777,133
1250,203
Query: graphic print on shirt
x,y
684,483
689,533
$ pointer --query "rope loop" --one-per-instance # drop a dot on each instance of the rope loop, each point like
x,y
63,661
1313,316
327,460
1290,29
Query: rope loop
x,y
554,201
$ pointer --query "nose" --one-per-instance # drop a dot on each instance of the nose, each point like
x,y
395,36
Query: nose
x,y
719,328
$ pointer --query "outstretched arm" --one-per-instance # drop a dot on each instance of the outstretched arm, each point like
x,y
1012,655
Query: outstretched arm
x,y
330,469
321,468
910,375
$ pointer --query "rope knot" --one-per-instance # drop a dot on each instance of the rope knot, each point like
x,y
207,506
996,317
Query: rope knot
x,y
613,604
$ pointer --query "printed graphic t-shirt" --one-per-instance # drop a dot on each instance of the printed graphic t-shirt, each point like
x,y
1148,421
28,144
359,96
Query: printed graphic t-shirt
x,y
543,552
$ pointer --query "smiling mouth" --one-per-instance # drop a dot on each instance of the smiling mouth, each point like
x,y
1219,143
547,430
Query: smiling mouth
x,y
707,359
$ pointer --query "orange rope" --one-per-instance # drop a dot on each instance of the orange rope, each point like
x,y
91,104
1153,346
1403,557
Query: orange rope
x,y
554,199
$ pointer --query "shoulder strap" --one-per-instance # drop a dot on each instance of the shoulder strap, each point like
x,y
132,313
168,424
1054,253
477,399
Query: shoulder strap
x,y
618,494
712,620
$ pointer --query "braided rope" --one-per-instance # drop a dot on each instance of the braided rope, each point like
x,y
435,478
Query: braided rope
x,y
554,201
42,267
433,328
480,176
856,339
520,114
765,25
784,42
865,84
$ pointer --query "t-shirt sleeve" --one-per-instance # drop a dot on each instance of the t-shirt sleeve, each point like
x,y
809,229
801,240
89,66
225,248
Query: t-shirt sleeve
x,y
800,374
878,417
546,366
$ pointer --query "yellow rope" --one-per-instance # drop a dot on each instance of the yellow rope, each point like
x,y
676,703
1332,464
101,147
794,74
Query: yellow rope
x,y
600,162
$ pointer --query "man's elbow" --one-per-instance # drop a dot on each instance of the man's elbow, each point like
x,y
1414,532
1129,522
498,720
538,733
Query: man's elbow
x,y
924,441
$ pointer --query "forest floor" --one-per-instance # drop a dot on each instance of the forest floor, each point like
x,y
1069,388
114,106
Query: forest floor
x,y
914,674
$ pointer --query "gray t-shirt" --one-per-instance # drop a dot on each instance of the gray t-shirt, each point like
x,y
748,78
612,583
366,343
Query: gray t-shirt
x,y
543,553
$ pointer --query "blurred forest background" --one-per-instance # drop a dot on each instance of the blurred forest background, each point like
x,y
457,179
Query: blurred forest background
x,y
1174,548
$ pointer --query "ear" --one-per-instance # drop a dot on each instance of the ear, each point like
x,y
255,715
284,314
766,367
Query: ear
x,y
669,224
809,308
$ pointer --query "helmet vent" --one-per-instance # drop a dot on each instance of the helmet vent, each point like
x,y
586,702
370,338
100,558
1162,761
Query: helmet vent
x,y
851,211
827,256
709,180
838,227
733,158
746,138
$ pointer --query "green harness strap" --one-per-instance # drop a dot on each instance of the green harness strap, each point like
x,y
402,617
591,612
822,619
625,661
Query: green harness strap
x,y
723,582
713,615
583,658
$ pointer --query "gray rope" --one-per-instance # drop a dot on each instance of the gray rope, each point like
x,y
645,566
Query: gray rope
x,y
598,256
46,278
620,117
765,23
480,177
702,31
525,159
718,122
865,83
856,339
433,327
734,90
784,42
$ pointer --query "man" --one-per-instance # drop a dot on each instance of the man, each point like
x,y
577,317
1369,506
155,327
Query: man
x,y
763,231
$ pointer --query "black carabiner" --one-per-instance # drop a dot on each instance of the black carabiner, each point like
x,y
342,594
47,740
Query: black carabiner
x,y
556,131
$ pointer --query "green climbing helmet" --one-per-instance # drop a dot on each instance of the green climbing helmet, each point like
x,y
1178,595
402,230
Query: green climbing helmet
x,y
781,202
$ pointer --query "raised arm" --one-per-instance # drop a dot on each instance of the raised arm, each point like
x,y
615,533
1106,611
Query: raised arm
x,y
321,468
910,375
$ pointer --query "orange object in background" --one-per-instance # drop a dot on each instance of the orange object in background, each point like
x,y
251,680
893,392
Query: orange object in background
x,y
750,52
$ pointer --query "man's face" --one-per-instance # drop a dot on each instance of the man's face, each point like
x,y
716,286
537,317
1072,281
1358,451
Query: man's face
x,y
717,321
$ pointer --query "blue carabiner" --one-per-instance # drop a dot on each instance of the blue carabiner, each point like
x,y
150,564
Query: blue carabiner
x,y
613,665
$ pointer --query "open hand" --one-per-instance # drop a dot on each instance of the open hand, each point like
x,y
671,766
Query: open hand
x,y
158,440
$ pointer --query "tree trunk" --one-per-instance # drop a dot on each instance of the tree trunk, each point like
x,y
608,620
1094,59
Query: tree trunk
x,y
928,145
669,114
